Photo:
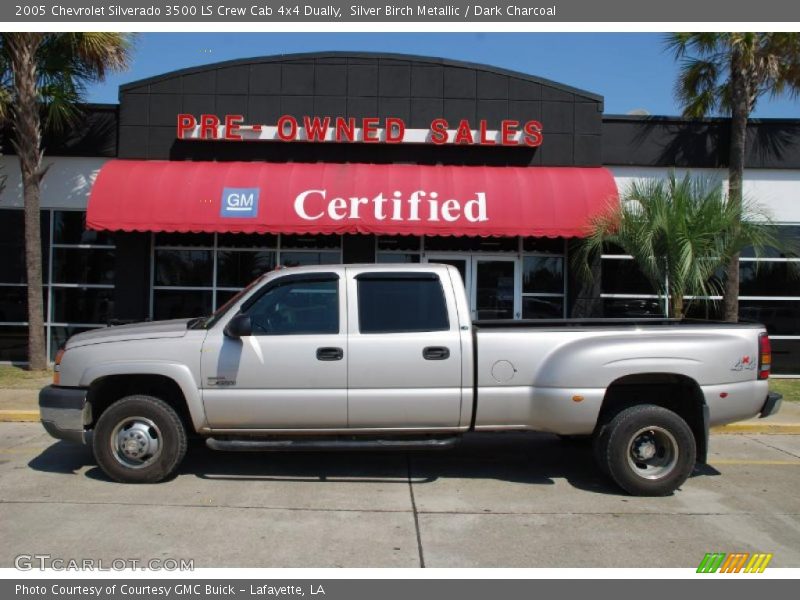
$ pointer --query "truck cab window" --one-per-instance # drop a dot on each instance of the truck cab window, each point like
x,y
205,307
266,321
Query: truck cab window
x,y
405,304
303,307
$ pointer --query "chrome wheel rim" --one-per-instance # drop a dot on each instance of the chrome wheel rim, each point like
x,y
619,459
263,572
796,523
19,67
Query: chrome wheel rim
x,y
652,453
136,442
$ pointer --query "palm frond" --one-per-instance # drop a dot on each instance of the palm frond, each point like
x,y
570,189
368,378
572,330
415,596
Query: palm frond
x,y
680,232
66,63
770,61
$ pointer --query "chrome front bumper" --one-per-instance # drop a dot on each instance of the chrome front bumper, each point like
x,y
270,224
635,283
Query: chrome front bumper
x,y
65,413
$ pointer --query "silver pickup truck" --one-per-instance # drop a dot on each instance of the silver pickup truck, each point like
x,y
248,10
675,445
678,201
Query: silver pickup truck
x,y
386,356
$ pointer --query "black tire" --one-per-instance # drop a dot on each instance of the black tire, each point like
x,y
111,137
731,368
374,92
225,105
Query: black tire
x,y
577,440
600,449
647,450
139,439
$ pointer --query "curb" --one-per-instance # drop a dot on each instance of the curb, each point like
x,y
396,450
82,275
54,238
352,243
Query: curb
x,y
769,428
19,416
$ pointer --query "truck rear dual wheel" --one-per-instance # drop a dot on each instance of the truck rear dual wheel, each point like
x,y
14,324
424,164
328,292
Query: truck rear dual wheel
x,y
139,439
647,450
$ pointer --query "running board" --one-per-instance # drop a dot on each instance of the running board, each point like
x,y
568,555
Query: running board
x,y
256,445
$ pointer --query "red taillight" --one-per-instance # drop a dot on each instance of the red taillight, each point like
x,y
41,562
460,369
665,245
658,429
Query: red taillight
x,y
764,356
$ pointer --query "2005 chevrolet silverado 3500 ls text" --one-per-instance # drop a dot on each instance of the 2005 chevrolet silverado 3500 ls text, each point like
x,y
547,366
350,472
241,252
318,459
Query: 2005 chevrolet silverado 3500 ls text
x,y
386,356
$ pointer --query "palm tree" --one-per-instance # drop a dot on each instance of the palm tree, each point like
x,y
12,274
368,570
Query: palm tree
x,y
729,72
45,74
679,232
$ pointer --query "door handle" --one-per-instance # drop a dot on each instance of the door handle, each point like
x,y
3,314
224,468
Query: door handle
x,y
330,354
436,353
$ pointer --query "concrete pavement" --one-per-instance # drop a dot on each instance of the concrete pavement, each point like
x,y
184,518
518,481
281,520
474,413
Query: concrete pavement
x,y
506,500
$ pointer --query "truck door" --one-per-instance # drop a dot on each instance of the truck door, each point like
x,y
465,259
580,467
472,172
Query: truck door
x,y
291,373
405,367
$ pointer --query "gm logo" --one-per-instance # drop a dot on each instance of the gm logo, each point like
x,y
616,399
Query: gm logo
x,y
241,203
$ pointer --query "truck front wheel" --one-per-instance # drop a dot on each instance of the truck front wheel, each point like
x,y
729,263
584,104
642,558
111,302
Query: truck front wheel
x,y
647,450
139,439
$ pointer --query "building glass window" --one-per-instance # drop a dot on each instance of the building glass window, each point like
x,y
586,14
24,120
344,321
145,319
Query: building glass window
x,y
82,265
13,343
183,268
236,269
769,278
542,260
543,278
398,249
81,278
82,304
541,307
471,244
194,274
624,290
69,228
769,293
59,334
311,242
633,308
787,235
398,257
621,275
543,274
543,245
77,280
181,303
14,304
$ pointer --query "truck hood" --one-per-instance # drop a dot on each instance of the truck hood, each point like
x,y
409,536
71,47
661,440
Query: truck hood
x,y
174,328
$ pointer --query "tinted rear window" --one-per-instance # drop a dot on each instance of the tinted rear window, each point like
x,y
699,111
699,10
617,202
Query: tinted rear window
x,y
406,304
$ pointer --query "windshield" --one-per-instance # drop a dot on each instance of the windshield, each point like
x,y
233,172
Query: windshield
x,y
209,321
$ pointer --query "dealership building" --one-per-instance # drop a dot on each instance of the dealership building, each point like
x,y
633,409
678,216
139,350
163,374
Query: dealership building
x,y
168,203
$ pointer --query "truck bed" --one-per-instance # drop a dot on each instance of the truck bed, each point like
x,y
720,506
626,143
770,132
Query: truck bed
x,y
604,322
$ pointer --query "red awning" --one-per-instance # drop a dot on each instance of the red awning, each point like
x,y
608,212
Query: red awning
x,y
251,197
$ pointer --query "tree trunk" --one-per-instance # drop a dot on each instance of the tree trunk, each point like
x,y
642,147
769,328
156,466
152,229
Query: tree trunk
x,y
740,111
22,48
676,307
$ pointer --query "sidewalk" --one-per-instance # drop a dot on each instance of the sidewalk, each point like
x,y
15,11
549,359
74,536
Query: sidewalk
x,y
22,405
786,421
19,405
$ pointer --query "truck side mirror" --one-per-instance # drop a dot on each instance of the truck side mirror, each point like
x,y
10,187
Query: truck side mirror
x,y
239,326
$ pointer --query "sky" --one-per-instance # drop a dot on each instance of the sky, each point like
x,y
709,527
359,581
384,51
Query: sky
x,y
633,71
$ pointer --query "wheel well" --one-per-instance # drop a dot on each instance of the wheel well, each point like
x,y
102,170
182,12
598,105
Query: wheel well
x,y
104,391
678,393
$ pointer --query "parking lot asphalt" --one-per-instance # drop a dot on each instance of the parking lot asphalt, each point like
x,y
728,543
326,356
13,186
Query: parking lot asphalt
x,y
498,500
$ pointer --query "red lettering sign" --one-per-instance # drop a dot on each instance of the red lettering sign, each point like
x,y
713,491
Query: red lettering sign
x,y
370,130
316,129
186,123
484,129
369,126
209,125
508,129
395,130
345,130
464,133
232,123
439,131
291,134
533,133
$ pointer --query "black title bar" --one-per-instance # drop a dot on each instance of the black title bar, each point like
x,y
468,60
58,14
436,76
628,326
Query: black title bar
x,y
374,11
